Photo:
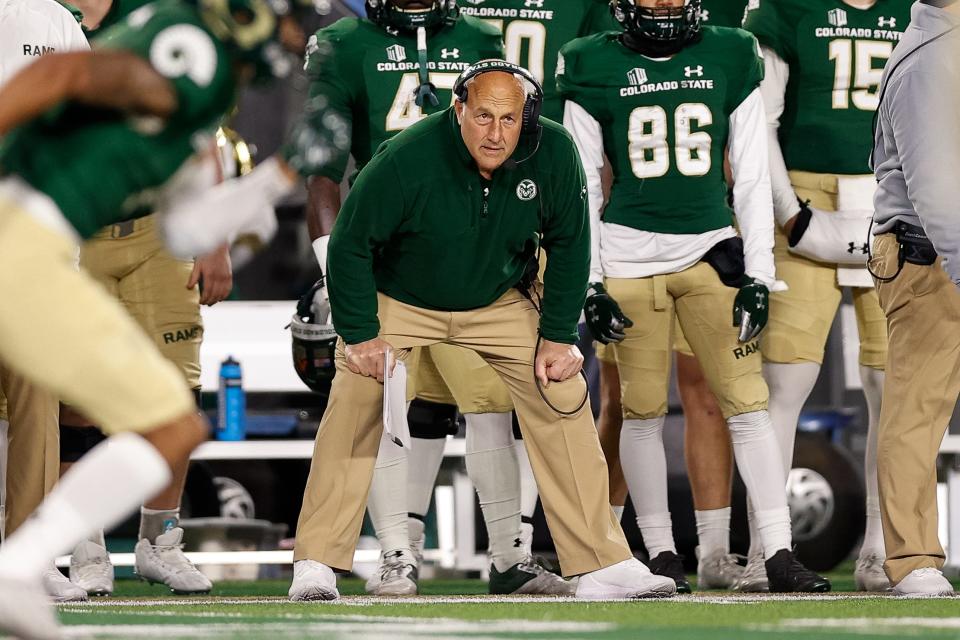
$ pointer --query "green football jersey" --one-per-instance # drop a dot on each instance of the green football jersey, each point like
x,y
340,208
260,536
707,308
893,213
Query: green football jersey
x,y
101,166
665,123
370,77
534,31
836,54
724,13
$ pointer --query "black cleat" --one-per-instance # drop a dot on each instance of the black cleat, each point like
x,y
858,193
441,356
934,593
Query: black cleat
x,y
787,575
670,565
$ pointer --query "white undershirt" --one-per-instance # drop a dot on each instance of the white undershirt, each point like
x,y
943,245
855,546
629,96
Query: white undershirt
x,y
623,252
774,91
31,26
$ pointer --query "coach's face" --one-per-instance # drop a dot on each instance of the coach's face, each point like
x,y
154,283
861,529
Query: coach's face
x,y
491,119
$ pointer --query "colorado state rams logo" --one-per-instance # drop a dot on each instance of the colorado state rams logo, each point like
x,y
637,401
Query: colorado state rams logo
x,y
527,190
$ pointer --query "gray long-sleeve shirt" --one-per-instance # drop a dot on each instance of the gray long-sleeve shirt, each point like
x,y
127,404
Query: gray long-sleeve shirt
x,y
917,146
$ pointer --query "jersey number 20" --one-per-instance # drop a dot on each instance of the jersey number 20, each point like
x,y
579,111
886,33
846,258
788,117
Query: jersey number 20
x,y
649,150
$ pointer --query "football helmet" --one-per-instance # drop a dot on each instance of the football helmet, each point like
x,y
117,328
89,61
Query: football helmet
x,y
658,30
314,340
388,14
249,30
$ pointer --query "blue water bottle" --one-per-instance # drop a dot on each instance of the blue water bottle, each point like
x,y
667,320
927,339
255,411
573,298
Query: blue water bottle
x,y
231,402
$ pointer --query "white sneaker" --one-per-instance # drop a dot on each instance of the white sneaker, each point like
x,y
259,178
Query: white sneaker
x,y
416,548
165,563
60,589
869,574
25,611
90,569
313,581
924,582
754,578
627,579
396,576
718,570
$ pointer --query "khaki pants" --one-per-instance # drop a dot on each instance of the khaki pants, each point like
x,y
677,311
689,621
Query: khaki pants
x,y
801,317
66,333
919,394
564,450
33,447
704,308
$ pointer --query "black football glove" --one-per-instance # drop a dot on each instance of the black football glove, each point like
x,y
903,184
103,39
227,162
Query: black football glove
x,y
751,309
605,320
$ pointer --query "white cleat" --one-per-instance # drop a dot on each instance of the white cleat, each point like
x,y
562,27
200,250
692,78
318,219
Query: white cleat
x,y
924,582
627,579
718,570
165,563
869,574
754,578
25,611
60,589
91,570
313,581
396,575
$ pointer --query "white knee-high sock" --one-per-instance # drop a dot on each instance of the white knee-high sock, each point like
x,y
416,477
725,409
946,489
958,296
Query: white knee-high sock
x,y
645,470
492,466
423,464
618,511
790,386
105,486
387,503
4,435
873,391
756,452
713,530
529,495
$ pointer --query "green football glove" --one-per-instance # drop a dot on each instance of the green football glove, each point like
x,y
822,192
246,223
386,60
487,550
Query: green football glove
x,y
605,320
317,137
751,308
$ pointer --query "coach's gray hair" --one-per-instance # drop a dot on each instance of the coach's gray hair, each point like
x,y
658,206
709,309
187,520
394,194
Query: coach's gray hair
x,y
528,89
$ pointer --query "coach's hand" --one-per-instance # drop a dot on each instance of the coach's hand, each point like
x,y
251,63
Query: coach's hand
x,y
605,320
366,358
214,273
557,361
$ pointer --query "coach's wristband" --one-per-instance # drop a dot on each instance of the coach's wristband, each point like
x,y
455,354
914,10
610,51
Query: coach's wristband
x,y
320,250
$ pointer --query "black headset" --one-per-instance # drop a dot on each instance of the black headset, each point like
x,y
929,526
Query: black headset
x,y
533,105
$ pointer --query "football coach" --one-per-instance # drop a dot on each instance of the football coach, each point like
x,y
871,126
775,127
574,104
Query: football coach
x,y
916,266
433,245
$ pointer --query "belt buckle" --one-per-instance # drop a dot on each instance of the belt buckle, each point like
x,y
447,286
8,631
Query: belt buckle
x,y
123,229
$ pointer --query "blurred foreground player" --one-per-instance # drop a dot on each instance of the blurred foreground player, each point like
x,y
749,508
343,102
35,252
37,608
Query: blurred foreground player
x,y
152,94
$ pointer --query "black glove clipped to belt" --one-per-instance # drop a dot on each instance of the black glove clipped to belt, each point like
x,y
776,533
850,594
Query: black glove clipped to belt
x,y
751,309
605,320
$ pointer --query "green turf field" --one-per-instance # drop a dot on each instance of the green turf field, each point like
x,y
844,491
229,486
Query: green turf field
x,y
457,609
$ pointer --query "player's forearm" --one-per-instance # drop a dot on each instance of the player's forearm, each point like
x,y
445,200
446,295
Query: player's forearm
x,y
323,205
751,190
117,80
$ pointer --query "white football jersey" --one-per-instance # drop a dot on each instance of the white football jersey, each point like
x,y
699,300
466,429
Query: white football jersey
x,y
31,28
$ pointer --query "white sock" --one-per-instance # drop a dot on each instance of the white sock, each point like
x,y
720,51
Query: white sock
x,y
713,530
755,449
756,547
97,493
156,522
790,386
387,504
529,496
873,391
4,429
618,511
492,466
423,464
645,470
